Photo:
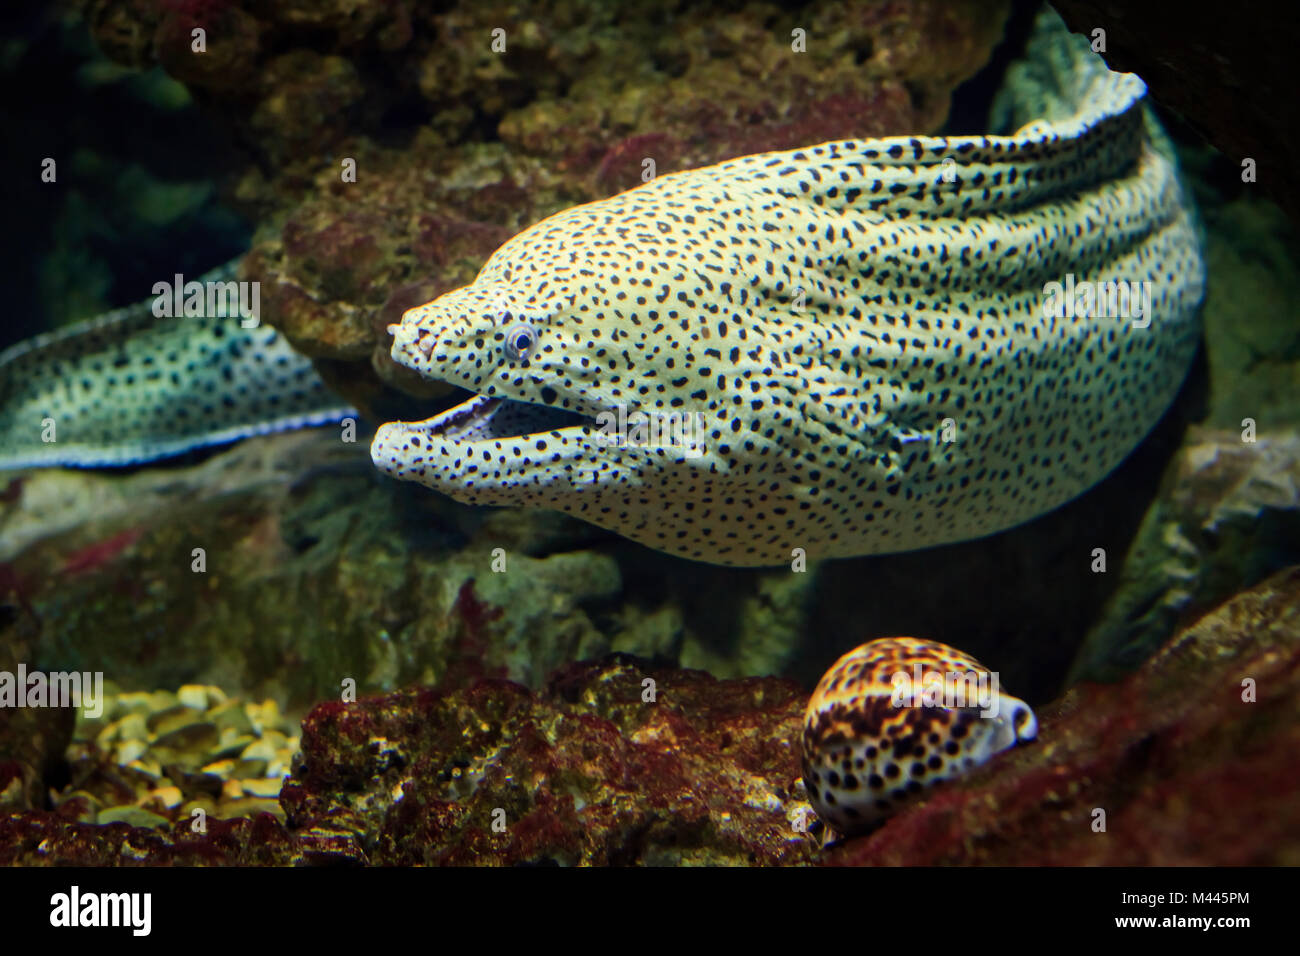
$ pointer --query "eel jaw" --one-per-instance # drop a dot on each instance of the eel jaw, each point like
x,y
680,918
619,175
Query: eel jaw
x,y
482,450
435,451
484,419
490,416
458,419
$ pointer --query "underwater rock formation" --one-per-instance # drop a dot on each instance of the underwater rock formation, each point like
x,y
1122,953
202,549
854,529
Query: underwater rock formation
x,y
590,770
158,758
32,740
614,762
483,143
1222,73
1186,760
1230,515
310,572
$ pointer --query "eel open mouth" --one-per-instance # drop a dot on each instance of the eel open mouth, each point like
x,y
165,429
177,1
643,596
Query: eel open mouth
x,y
484,418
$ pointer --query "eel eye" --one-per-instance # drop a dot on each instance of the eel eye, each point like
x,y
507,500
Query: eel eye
x,y
520,341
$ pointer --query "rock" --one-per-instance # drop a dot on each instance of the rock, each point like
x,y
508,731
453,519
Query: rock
x,y
620,762
48,839
229,65
167,797
589,770
317,572
32,740
129,751
1252,341
1187,759
267,788
267,748
1228,515
200,696
230,744
231,718
1198,62
132,727
220,768
171,759
457,146
255,766
132,816
161,723
584,772
263,717
194,738
253,806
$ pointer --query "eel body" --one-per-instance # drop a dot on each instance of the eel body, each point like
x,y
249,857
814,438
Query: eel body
x,y
886,340
857,347
132,386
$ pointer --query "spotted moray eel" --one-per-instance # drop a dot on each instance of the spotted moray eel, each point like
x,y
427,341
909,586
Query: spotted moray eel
x,y
128,387
861,324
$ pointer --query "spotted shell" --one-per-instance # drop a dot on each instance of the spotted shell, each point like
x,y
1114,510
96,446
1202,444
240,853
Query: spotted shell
x,y
869,747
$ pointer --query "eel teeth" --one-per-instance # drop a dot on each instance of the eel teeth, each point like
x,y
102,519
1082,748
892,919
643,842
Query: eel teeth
x,y
459,417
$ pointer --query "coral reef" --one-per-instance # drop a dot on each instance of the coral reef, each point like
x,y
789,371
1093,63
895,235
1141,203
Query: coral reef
x,y
462,135
283,567
1230,516
620,762
316,572
613,762
1183,763
1229,83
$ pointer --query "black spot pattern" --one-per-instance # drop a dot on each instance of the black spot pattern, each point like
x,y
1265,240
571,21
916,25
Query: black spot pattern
x,y
130,386
827,310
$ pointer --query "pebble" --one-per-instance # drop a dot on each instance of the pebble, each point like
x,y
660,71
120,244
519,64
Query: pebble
x,y
166,796
135,816
262,786
195,748
170,719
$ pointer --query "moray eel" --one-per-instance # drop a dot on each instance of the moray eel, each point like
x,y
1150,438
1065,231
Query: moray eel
x,y
868,329
896,716
130,386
